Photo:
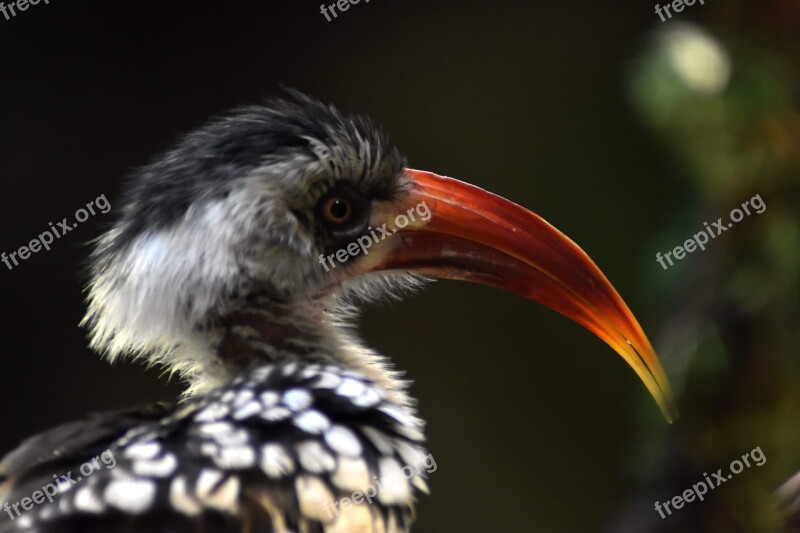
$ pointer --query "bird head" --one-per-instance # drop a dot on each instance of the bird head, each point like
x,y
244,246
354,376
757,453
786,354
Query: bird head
x,y
257,235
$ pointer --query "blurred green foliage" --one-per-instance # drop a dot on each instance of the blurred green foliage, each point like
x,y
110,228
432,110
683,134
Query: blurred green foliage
x,y
724,103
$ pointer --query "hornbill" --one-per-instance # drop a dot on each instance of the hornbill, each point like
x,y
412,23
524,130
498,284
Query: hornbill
x,y
224,266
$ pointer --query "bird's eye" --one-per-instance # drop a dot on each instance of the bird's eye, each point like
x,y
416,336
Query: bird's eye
x,y
342,213
337,210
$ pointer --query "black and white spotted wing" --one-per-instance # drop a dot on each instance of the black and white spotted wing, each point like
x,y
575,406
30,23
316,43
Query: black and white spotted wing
x,y
277,449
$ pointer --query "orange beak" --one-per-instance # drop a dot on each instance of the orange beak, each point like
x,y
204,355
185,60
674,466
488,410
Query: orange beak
x,y
474,235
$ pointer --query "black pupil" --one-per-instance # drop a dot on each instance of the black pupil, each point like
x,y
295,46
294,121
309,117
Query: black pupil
x,y
339,209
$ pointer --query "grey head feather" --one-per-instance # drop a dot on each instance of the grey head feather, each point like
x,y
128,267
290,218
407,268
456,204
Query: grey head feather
x,y
226,215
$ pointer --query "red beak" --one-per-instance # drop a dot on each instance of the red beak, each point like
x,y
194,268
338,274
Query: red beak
x,y
474,235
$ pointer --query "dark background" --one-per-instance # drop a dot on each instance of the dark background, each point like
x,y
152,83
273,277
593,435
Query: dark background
x,y
532,420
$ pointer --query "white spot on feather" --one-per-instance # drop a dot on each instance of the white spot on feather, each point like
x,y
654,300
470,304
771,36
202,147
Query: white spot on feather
x,y
147,450
351,474
343,441
350,388
248,410
243,397
314,458
235,457
269,398
132,496
316,500
207,482
225,497
368,398
379,440
275,462
394,486
276,414
162,467
327,380
214,412
87,501
312,421
180,498
297,399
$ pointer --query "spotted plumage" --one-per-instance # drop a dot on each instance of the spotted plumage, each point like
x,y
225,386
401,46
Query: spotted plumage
x,y
277,449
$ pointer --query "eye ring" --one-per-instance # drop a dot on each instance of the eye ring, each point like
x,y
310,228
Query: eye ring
x,y
337,210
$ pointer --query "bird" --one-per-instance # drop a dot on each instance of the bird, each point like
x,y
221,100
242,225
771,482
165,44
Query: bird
x,y
238,261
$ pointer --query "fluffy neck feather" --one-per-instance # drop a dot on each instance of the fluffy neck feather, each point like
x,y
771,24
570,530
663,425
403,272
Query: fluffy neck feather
x,y
181,299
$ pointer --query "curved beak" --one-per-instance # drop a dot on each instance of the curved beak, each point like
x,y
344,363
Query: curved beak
x,y
473,235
